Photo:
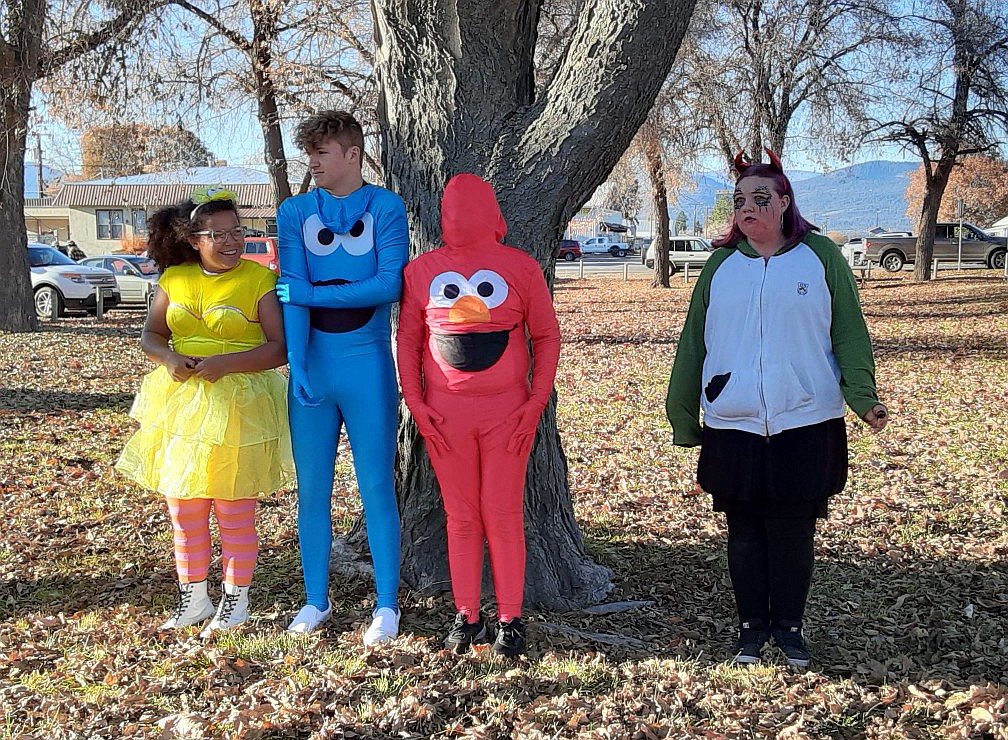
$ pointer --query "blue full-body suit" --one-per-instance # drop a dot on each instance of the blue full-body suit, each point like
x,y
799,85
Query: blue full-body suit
x,y
341,260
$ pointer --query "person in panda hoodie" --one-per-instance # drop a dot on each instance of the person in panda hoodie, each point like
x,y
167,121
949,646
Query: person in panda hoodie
x,y
773,347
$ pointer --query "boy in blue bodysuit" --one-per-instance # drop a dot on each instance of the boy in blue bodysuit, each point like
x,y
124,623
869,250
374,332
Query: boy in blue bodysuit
x,y
343,247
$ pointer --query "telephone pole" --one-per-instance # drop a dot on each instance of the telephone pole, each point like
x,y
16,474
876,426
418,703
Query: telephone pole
x,y
38,163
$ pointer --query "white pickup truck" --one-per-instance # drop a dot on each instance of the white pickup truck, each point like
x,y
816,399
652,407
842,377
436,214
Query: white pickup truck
x,y
604,245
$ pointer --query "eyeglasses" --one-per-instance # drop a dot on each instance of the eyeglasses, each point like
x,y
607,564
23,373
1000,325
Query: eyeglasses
x,y
219,237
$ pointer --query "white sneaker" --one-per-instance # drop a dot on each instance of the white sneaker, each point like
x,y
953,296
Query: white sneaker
x,y
309,618
194,606
384,626
232,610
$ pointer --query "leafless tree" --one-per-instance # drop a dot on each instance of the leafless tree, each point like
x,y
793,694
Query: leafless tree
x,y
951,101
766,71
127,149
38,37
284,59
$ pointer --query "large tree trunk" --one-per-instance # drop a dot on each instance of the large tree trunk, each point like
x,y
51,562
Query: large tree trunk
x,y
17,312
934,189
19,65
456,94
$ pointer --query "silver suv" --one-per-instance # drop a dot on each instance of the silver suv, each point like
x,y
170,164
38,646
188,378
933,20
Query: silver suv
x,y
60,284
683,250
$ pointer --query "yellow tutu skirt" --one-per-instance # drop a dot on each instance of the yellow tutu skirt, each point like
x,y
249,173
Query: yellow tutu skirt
x,y
229,439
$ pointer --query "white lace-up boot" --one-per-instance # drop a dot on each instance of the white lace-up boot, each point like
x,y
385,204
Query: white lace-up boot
x,y
232,610
194,606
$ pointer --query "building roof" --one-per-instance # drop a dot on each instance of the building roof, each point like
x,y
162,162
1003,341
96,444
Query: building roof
x,y
89,195
190,176
254,191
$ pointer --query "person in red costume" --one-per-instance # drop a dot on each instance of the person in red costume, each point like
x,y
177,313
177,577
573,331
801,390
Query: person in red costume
x,y
468,311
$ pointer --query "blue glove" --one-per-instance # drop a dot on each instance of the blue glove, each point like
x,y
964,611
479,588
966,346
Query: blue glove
x,y
300,387
296,292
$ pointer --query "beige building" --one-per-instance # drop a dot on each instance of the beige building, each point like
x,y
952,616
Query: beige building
x,y
104,216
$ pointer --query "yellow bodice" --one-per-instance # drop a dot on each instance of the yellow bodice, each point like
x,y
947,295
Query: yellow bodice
x,y
209,314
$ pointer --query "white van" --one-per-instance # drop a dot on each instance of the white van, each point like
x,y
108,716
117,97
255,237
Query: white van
x,y
683,250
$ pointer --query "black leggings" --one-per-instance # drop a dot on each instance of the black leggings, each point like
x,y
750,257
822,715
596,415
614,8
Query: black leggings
x,y
770,561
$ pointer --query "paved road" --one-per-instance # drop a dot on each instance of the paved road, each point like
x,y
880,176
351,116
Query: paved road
x,y
597,265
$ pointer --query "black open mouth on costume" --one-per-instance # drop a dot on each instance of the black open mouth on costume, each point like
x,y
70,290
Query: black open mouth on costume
x,y
473,351
339,320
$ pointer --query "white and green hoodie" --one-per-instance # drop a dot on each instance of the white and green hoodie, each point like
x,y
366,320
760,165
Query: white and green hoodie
x,y
787,332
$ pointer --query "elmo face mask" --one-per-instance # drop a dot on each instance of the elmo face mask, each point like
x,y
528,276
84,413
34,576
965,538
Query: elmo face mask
x,y
471,336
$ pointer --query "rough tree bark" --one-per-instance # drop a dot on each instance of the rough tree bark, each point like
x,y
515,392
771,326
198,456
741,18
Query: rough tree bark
x,y
264,35
935,183
19,68
659,197
456,94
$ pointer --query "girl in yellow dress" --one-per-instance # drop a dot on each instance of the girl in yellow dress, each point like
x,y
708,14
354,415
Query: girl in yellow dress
x,y
213,415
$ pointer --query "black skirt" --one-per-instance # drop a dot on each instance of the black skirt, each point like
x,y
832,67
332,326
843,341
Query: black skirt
x,y
791,474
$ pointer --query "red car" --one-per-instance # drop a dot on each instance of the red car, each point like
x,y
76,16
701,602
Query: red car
x,y
569,250
262,249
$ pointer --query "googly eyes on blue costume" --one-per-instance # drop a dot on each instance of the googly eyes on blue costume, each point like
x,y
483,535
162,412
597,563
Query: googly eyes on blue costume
x,y
487,285
321,241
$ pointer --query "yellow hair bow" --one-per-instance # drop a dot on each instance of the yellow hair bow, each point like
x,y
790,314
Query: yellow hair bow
x,y
209,193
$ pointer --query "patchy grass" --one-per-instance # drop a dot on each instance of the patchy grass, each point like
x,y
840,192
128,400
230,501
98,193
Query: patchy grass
x,y
906,617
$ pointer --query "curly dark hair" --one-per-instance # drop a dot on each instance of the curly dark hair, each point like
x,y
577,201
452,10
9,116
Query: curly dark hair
x,y
329,124
169,229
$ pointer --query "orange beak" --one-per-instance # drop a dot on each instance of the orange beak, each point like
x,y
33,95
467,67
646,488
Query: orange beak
x,y
469,310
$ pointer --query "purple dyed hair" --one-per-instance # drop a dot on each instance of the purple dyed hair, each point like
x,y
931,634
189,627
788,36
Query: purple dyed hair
x,y
795,227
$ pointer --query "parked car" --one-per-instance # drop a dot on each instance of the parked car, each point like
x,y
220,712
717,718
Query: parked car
x,y
569,250
683,250
136,276
604,245
853,251
60,284
262,249
977,247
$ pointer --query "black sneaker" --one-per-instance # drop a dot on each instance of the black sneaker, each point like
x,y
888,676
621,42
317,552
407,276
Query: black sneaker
x,y
462,634
510,640
750,642
791,641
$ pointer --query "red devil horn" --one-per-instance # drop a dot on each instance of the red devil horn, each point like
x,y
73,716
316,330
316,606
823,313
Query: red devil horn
x,y
740,163
774,160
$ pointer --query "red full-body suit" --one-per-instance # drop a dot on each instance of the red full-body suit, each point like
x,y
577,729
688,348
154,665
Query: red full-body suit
x,y
469,309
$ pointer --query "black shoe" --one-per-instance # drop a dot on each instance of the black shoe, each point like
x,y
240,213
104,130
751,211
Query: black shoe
x,y
462,634
791,641
750,642
510,640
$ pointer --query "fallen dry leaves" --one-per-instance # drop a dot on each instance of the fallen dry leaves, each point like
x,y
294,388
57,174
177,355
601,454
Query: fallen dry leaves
x,y
906,619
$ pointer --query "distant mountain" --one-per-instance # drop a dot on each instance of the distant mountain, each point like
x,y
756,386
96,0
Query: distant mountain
x,y
31,178
799,175
856,198
852,199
